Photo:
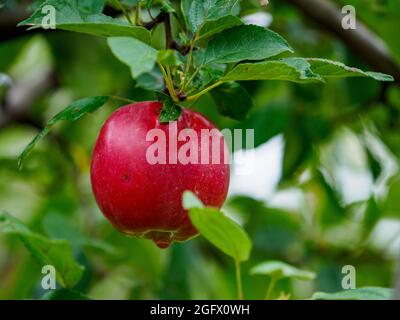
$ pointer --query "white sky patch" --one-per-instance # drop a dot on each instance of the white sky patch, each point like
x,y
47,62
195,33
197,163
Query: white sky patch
x,y
262,19
260,182
290,199
356,185
386,236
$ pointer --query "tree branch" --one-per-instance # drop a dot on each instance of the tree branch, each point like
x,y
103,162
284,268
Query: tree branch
x,y
22,95
157,20
169,40
361,41
9,21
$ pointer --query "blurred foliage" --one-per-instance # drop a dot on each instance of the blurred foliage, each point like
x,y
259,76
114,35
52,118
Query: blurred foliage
x,y
340,159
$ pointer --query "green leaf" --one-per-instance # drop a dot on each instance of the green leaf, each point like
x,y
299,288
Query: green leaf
x,y
212,27
57,226
367,293
72,113
169,57
166,6
71,17
197,12
296,150
221,231
64,294
91,6
129,3
207,75
189,201
278,270
246,42
170,111
371,217
331,209
298,70
139,56
391,205
267,121
290,69
327,68
373,163
57,253
232,100
152,81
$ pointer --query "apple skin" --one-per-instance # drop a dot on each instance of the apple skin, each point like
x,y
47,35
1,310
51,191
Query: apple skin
x,y
143,199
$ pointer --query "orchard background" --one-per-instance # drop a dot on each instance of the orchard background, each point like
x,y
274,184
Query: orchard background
x,y
325,189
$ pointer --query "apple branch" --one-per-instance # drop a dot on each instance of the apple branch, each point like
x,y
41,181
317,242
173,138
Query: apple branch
x,y
361,41
19,98
169,40
157,20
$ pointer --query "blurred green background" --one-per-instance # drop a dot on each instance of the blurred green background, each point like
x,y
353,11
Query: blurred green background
x,y
325,191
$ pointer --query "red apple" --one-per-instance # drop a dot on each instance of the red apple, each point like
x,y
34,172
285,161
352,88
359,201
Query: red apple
x,y
144,199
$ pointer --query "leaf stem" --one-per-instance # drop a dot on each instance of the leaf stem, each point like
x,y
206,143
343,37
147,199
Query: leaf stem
x,y
122,99
188,64
191,79
238,280
204,91
138,14
168,82
271,286
149,12
126,14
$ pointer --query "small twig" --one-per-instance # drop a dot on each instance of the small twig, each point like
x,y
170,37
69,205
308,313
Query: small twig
x,y
170,43
157,20
149,12
164,17
184,49
169,40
